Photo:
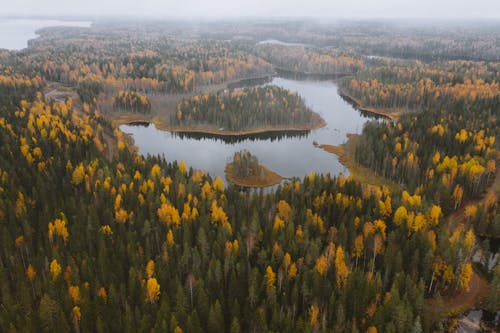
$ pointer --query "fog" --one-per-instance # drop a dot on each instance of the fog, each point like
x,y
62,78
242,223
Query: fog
x,y
451,9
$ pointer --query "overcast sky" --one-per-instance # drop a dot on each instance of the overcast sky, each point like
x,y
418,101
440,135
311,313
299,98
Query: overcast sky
x,y
225,8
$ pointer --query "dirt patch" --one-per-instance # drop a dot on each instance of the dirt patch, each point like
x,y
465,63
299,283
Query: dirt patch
x,y
456,304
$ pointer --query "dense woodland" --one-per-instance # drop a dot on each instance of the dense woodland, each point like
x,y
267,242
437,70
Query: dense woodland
x,y
309,60
240,109
447,148
95,237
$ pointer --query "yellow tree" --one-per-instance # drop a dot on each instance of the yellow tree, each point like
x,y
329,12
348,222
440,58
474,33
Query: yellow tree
x,y
169,214
270,278
341,269
470,212
434,214
284,210
182,167
78,175
358,248
150,268
30,273
170,238
313,315
458,193
321,265
287,260
400,216
292,272
469,240
74,294
218,184
152,290
465,276
55,269
155,171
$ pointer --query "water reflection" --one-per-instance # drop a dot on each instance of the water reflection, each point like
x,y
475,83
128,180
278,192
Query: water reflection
x,y
363,112
267,136
289,154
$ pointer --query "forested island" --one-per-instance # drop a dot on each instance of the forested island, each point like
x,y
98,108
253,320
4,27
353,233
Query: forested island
x,y
245,170
96,237
258,109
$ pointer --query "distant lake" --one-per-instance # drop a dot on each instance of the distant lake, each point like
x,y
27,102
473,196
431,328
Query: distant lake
x,y
289,154
15,33
279,42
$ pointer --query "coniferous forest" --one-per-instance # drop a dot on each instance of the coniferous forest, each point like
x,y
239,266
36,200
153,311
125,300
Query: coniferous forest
x,y
97,237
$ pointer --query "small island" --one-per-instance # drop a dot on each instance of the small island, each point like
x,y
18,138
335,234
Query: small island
x,y
245,111
246,171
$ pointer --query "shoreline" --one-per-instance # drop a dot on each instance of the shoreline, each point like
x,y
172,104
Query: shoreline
x,y
345,154
392,114
126,119
270,178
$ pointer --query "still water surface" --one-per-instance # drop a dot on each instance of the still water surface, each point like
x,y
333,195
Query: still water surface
x,y
15,33
288,155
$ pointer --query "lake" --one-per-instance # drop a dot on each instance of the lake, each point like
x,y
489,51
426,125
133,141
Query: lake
x,y
15,33
289,154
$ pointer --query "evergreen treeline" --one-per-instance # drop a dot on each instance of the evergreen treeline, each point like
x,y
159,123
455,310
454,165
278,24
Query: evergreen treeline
x,y
140,244
247,108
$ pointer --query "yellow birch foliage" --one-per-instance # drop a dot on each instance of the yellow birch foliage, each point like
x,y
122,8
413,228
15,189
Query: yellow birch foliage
x,y
182,167
218,184
435,214
400,216
30,273
358,246
292,271
55,269
313,314
169,214
284,210
155,171
465,276
170,238
78,175
150,268
321,265
77,314
58,228
270,278
469,240
342,271
74,294
152,290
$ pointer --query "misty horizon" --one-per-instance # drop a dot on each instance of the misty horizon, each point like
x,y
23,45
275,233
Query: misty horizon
x,y
217,9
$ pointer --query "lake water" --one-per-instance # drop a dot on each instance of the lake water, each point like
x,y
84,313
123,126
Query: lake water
x,y
288,155
15,33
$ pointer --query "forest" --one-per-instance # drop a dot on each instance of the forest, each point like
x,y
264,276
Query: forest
x,y
240,109
96,237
